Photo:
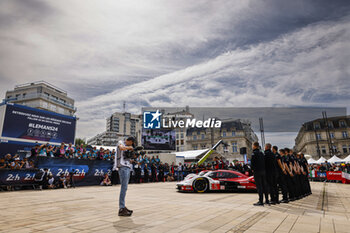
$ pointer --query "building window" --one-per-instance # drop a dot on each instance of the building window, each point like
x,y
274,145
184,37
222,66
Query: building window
x,y
224,134
225,149
194,137
317,125
345,149
234,147
182,135
182,142
342,124
9,97
318,136
334,148
24,95
203,136
331,135
198,133
195,147
330,124
233,133
345,134
204,146
177,136
323,150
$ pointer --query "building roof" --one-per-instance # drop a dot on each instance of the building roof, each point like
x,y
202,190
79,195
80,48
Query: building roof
x,y
309,126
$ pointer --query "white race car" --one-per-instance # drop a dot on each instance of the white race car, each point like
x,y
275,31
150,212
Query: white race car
x,y
224,180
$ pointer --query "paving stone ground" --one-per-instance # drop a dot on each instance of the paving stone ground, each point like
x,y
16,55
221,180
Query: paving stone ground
x,y
158,207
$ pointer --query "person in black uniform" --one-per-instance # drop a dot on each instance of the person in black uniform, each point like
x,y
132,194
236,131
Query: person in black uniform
x,y
137,169
145,173
271,174
153,172
296,174
161,172
258,167
288,176
304,175
281,172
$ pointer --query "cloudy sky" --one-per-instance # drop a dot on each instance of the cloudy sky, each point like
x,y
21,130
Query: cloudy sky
x,y
176,53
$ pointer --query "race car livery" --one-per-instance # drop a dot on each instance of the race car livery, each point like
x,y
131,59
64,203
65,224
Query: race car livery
x,y
219,180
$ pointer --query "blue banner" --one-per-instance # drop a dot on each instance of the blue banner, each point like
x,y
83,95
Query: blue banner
x,y
39,125
85,172
17,176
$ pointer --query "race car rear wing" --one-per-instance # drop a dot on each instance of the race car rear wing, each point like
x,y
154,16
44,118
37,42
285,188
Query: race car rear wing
x,y
206,155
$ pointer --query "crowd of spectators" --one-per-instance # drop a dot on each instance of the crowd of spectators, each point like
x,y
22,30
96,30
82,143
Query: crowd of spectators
x,y
15,162
330,167
70,151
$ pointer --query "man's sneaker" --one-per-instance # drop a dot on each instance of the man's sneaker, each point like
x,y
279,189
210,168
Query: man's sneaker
x,y
131,211
284,201
124,212
259,204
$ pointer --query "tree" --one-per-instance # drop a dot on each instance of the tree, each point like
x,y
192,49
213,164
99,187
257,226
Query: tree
x,y
79,141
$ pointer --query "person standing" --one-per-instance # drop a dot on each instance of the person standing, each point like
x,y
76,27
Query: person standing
x,y
161,172
180,175
289,175
281,175
258,167
123,164
271,174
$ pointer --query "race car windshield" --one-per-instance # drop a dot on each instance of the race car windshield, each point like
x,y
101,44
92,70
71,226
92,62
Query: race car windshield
x,y
202,173
208,174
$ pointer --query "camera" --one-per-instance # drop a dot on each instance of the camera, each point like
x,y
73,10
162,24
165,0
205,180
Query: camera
x,y
131,154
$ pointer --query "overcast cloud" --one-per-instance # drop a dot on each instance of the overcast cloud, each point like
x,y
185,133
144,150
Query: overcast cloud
x,y
177,53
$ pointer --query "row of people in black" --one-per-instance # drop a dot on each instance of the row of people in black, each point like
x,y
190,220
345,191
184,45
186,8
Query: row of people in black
x,y
279,169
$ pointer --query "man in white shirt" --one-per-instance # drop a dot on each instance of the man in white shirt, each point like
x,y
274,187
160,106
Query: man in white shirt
x,y
122,163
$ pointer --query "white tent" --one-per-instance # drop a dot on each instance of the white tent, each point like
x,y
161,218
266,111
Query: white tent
x,y
347,159
321,160
335,159
311,161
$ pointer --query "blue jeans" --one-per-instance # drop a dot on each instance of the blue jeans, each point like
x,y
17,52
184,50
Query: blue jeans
x,y
180,176
124,176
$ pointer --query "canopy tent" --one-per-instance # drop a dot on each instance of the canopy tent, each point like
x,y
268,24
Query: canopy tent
x,y
308,157
335,159
321,160
311,161
347,159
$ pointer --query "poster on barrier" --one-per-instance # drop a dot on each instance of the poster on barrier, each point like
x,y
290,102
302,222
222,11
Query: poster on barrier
x,y
17,176
85,172
334,175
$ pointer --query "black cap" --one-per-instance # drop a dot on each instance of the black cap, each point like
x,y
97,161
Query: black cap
x,y
131,139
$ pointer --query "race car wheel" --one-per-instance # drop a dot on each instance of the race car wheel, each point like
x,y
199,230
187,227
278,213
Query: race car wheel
x,y
200,185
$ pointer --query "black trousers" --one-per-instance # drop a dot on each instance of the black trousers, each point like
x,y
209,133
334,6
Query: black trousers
x,y
307,184
271,180
115,177
282,183
297,183
291,192
260,181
